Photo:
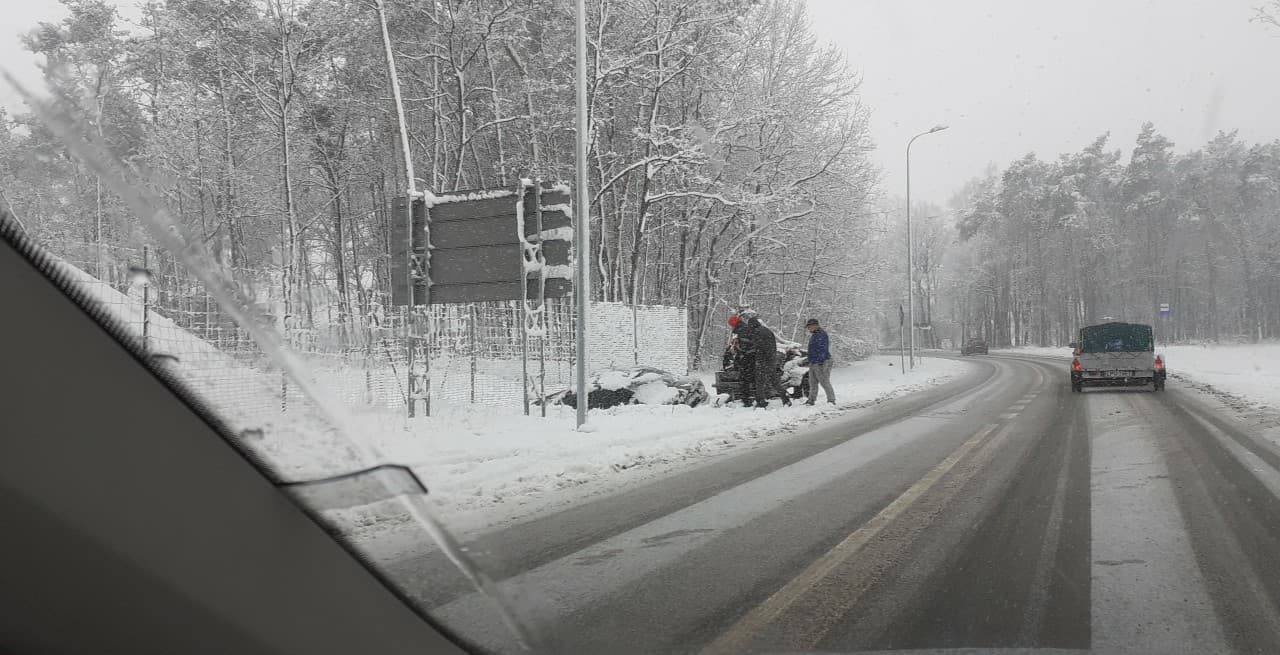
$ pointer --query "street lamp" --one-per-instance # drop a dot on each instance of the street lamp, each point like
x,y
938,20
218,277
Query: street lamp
x,y
911,293
581,212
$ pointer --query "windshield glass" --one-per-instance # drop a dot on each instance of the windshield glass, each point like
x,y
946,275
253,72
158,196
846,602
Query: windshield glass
x,y
724,326
1116,337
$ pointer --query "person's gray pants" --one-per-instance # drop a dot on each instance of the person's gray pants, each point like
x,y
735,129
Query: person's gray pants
x,y
820,374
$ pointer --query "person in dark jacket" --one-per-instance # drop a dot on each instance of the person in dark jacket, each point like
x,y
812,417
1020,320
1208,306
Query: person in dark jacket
x,y
763,349
731,351
745,356
819,362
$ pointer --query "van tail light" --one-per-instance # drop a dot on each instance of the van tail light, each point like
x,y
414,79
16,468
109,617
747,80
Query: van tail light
x,y
1075,365
1159,363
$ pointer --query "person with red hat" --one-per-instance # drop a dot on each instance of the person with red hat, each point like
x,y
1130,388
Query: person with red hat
x,y
736,357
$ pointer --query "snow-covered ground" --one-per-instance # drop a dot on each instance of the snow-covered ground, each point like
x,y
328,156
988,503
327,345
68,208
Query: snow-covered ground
x,y
486,466
1038,351
1247,371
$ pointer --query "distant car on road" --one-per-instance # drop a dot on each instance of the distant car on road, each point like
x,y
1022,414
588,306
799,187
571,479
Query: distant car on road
x,y
974,347
1118,355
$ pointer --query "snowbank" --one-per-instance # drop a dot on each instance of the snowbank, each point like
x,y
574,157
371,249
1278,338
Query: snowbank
x,y
1037,351
1251,372
485,466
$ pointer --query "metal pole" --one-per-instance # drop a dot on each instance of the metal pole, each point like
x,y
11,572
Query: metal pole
x,y
902,354
412,193
409,353
902,342
395,94
911,287
522,194
582,215
542,301
911,292
542,369
408,314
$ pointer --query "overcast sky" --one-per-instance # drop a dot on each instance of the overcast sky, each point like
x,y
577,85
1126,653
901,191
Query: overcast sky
x,y
1008,76
1015,76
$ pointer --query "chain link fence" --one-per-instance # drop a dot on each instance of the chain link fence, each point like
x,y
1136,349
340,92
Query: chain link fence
x,y
370,355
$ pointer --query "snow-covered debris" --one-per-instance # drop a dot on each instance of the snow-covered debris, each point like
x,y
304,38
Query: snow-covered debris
x,y
793,371
656,392
638,384
612,380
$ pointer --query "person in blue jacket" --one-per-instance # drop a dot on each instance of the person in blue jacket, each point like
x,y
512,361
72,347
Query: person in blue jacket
x,y
819,362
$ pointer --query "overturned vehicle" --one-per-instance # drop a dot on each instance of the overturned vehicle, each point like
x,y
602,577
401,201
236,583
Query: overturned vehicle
x,y
734,380
637,385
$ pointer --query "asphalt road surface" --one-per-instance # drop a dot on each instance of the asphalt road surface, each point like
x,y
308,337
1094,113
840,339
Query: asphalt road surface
x,y
1000,511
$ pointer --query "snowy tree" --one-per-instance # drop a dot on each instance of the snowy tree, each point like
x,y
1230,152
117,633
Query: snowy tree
x,y
728,154
1089,237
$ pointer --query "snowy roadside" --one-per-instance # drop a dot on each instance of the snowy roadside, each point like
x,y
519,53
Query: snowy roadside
x,y
1036,351
485,467
1247,372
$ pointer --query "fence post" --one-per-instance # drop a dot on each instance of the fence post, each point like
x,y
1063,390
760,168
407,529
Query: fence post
x,y
474,348
146,299
409,357
524,346
635,334
426,360
542,302
524,297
